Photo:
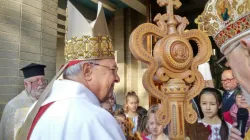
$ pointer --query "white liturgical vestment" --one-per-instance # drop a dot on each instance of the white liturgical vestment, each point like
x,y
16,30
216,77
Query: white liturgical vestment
x,y
76,114
11,118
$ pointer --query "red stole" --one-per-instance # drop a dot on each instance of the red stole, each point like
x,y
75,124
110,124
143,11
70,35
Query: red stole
x,y
38,116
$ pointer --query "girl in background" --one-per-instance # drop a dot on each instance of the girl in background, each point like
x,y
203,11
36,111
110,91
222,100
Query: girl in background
x,y
120,118
210,101
154,127
131,104
142,121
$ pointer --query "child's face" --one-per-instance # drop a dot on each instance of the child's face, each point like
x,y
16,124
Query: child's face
x,y
121,121
154,127
132,103
209,106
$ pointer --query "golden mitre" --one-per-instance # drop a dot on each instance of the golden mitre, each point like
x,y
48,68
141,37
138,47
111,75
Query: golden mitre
x,y
227,21
84,40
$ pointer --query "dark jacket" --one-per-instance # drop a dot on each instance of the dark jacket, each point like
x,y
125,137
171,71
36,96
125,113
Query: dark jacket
x,y
228,103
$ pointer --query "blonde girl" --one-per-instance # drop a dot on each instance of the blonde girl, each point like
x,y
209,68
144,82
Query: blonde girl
x,y
130,109
154,127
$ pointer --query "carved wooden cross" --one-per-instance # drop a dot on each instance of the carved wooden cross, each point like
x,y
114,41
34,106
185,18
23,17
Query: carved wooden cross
x,y
173,66
169,5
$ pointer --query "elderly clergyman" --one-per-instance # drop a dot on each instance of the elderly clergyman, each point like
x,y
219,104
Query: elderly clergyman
x,y
17,108
228,21
72,111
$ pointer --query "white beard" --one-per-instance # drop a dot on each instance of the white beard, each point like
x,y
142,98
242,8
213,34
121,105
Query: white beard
x,y
246,95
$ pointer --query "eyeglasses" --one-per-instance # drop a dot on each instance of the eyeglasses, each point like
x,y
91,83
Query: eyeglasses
x,y
227,80
114,69
239,96
221,59
44,81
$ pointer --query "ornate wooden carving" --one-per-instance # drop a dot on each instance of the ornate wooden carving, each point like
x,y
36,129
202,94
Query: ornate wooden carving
x,y
173,66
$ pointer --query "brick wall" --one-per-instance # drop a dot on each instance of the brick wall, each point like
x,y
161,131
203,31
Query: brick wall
x,y
28,33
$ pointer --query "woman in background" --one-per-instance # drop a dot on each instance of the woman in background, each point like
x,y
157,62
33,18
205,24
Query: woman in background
x,y
240,102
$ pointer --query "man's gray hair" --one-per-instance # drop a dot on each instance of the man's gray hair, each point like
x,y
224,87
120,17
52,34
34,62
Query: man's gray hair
x,y
75,69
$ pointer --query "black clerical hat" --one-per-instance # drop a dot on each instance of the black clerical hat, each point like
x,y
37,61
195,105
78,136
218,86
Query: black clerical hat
x,y
33,69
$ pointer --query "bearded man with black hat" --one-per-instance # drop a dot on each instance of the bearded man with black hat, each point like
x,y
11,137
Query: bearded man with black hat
x,y
16,109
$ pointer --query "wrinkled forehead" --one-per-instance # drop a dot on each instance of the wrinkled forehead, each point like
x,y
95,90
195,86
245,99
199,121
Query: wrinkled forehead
x,y
227,74
35,78
109,62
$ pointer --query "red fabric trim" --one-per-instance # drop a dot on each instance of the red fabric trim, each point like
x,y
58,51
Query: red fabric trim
x,y
227,117
38,116
232,30
73,62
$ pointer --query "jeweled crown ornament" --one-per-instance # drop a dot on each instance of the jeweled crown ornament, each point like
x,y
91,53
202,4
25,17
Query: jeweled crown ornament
x,y
84,40
173,66
227,21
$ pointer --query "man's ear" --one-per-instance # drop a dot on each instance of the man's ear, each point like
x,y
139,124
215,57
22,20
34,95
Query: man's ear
x,y
248,54
25,84
245,43
87,71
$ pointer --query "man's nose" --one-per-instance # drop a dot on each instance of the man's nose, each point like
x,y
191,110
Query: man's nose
x,y
117,78
40,81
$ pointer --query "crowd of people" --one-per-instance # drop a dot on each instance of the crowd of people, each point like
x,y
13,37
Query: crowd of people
x,y
217,108
143,122
218,111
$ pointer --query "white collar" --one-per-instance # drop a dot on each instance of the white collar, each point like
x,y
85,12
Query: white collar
x,y
231,92
64,89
